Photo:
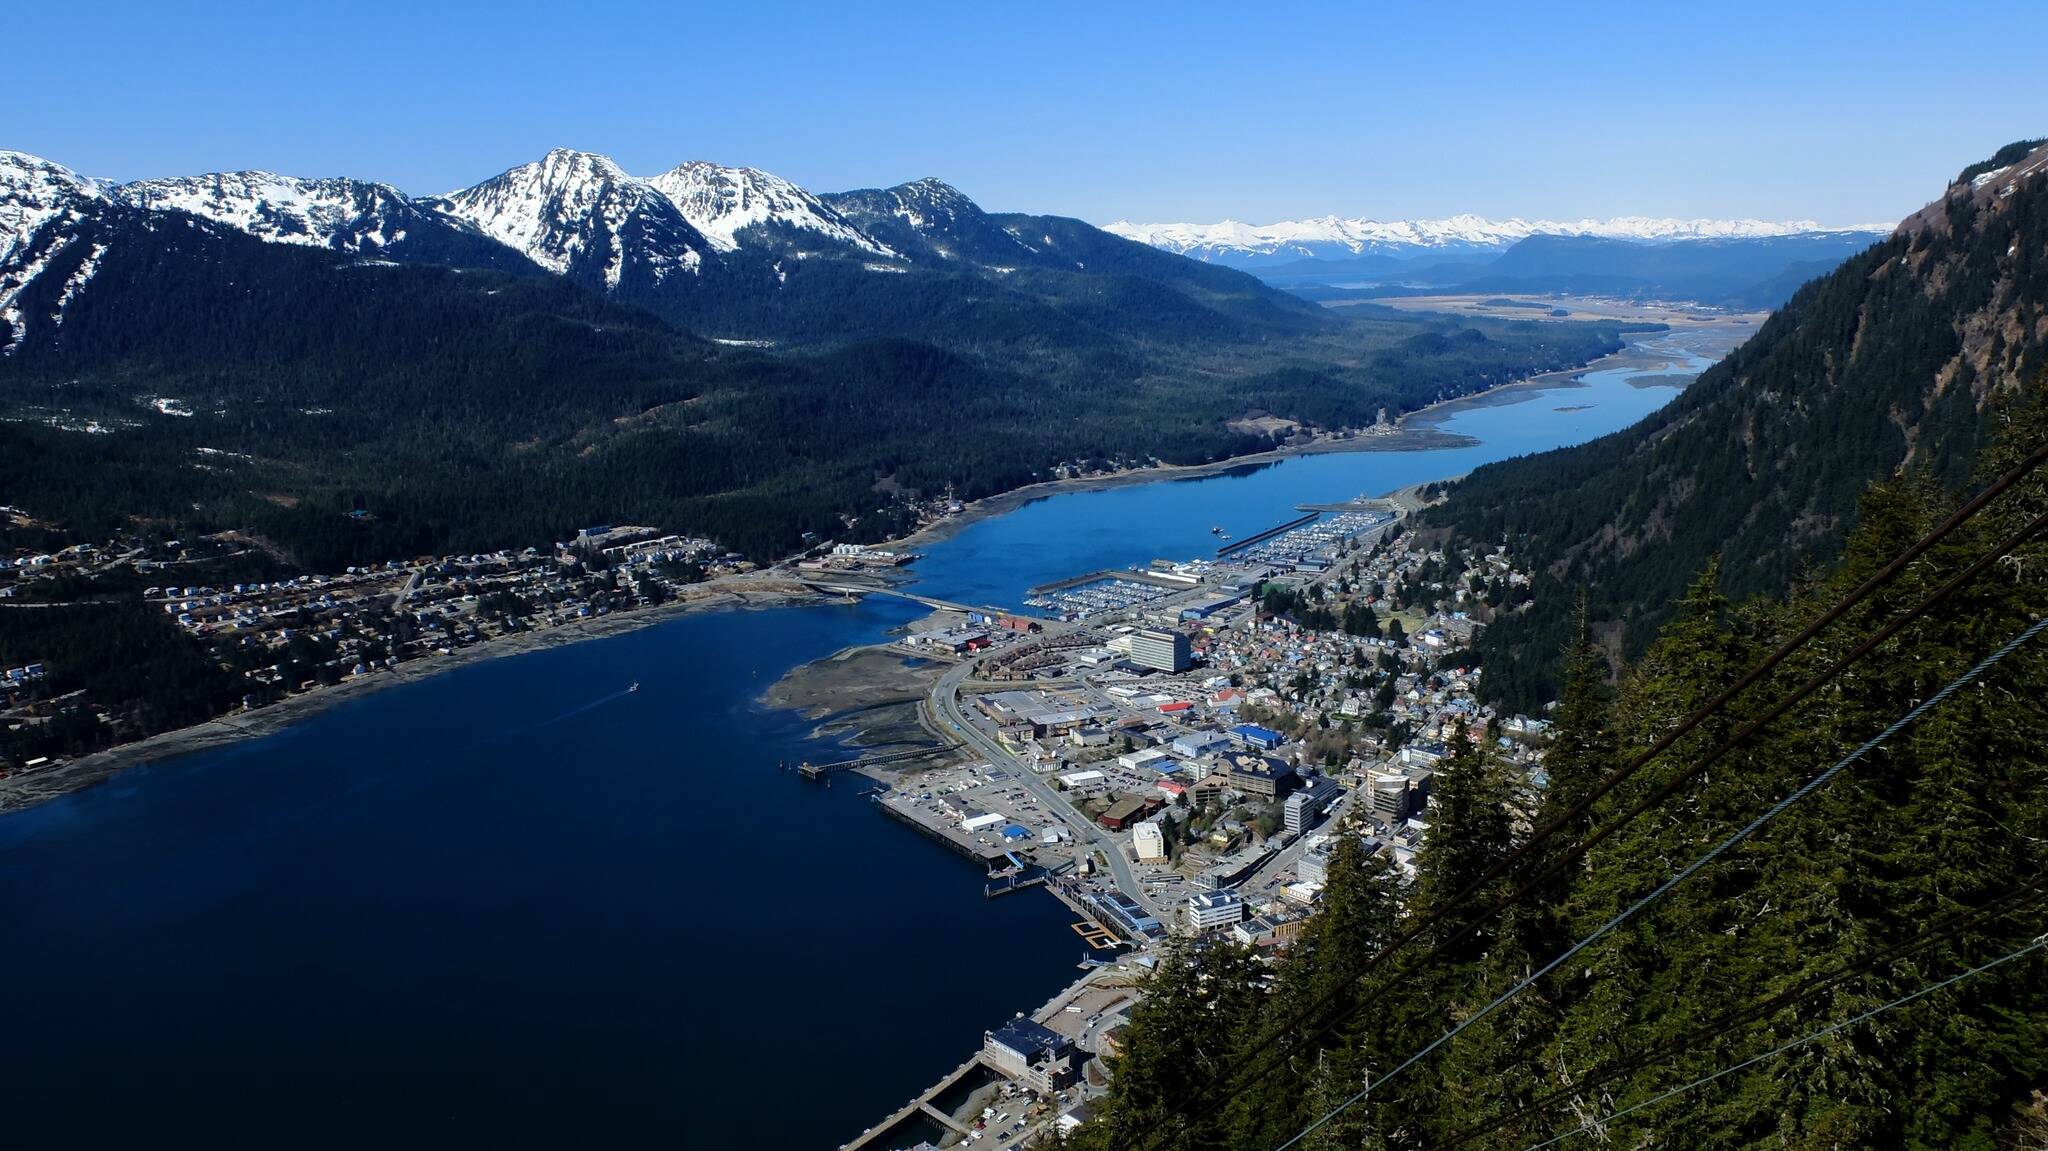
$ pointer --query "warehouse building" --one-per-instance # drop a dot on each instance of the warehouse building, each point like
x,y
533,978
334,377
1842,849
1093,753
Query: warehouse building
x,y
1031,1053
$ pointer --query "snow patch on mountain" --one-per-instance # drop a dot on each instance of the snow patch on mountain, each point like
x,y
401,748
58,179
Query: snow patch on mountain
x,y
930,203
1328,234
342,214
34,192
77,279
723,202
571,206
40,203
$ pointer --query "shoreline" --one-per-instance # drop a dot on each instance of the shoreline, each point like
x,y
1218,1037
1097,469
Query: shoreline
x,y
21,792
1414,431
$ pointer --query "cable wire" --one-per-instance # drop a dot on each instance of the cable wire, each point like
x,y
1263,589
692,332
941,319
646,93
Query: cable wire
x,y
1578,850
1699,715
2040,941
1809,988
1690,869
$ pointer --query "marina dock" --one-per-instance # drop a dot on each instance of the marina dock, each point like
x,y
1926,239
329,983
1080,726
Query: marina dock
x,y
1269,533
816,771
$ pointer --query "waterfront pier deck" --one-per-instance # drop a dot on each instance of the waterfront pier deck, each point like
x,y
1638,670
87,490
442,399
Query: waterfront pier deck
x,y
873,1139
1269,533
821,770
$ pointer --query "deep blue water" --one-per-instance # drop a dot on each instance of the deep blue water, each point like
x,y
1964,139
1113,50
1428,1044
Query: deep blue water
x,y
995,560
512,904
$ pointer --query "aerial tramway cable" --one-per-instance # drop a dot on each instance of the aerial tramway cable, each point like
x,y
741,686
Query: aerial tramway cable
x,y
2039,942
1216,1098
1806,989
1690,869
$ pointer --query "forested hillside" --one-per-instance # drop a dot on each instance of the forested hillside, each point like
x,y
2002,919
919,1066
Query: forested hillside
x,y
1900,359
179,373
1741,990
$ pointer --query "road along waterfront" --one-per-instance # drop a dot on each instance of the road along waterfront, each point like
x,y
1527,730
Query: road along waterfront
x,y
509,903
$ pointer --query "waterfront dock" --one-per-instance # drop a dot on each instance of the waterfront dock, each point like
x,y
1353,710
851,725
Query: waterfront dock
x,y
1081,1011
1361,504
816,771
1110,575
909,1120
1269,533
989,857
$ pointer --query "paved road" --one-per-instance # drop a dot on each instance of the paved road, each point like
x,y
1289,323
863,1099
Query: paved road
x,y
945,699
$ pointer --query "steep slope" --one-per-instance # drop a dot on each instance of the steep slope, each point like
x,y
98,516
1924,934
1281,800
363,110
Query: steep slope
x,y
353,216
1089,272
578,214
46,212
1712,271
1899,359
735,207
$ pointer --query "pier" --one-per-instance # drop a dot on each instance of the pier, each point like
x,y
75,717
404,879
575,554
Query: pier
x,y
989,858
1383,506
1269,533
816,771
1106,575
920,1109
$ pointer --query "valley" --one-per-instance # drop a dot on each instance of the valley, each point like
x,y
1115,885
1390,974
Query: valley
x,y
1056,579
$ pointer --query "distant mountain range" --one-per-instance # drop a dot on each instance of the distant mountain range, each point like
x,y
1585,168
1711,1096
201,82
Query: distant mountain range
x,y
1731,263
1335,238
714,349
1909,356
733,253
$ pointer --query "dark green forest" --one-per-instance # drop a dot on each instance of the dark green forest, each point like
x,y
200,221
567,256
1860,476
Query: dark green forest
x,y
349,412
1919,862
1901,358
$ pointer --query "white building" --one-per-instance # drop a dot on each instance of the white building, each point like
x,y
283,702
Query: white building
x,y
1149,842
1142,758
1209,909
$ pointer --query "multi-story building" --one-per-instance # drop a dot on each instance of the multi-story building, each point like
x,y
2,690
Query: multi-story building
x,y
1305,807
1207,909
1031,1053
1254,775
1149,841
1161,650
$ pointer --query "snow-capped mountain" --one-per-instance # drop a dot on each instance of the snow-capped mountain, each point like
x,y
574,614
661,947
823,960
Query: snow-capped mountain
x,y
343,214
723,203
1334,237
34,192
43,207
932,220
336,213
580,213
926,205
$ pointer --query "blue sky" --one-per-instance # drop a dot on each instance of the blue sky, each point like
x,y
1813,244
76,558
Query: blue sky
x,y
1841,113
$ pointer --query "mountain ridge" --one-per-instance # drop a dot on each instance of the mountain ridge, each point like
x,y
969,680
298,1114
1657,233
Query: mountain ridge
x,y
1899,361
1328,237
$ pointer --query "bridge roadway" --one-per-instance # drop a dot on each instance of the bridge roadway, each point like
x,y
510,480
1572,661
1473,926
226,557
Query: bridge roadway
x,y
933,602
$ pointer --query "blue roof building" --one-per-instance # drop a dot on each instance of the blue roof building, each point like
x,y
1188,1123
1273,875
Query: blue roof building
x,y
1263,738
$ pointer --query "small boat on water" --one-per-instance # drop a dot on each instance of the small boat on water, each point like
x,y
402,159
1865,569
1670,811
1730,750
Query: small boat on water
x,y
632,687
1217,530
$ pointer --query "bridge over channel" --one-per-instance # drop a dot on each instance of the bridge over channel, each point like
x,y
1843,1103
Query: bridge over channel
x,y
929,601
